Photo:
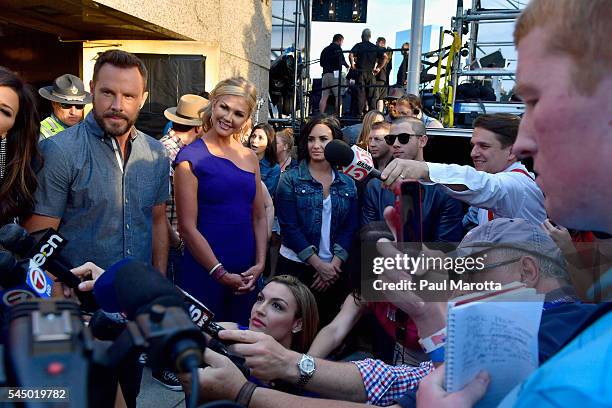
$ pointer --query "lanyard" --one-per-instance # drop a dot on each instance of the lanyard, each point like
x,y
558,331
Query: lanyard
x,y
117,154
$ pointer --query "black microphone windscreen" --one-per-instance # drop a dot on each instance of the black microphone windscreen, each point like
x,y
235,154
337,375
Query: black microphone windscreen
x,y
15,238
338,153
7,262
10,275
104,328
138,286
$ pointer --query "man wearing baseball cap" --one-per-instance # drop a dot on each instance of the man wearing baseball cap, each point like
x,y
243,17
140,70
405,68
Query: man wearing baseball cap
x,y
526,252
68,98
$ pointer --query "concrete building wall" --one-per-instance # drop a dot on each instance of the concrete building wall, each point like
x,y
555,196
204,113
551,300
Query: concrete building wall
x,y
241,29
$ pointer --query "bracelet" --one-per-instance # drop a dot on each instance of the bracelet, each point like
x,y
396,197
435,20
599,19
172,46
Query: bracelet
x,y
181,245
219,272
434,342
214,268
245,394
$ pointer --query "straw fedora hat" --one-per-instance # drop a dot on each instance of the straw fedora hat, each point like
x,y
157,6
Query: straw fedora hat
x,y
66,89
187,111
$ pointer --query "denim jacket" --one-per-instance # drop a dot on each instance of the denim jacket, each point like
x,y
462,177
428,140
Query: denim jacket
x,y
299,205
270,173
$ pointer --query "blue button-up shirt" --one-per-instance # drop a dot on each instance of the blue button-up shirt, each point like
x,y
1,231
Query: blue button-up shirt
x,y
106,213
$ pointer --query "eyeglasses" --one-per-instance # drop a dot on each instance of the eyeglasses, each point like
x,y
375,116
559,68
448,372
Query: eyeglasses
x,y
68,106
402,137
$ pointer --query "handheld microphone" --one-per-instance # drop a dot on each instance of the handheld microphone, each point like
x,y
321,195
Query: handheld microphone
x,y
203,318
150,300
352,160
43,253
20,281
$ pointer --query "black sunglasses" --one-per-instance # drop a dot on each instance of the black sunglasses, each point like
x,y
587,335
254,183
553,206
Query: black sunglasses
x,y
68,106
402,137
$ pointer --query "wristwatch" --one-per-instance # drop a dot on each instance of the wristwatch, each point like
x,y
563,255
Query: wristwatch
x,y
307,368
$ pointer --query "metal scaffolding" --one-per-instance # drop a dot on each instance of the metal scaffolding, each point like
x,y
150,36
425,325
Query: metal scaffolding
x,y
475,16
293,19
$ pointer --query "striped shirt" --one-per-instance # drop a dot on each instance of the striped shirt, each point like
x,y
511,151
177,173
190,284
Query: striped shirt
x,y
173,145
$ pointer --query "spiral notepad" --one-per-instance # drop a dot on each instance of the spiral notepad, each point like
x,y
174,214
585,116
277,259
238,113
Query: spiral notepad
x,y
493,331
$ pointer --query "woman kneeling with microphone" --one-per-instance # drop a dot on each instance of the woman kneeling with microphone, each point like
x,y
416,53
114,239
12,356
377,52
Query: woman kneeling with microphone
x,y
285,309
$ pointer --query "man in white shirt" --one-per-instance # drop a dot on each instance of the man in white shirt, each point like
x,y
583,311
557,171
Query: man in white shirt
x,y
498,184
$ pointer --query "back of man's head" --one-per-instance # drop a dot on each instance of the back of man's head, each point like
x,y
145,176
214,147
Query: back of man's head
x,y
366,34
504,125
337,38
577,28
120,59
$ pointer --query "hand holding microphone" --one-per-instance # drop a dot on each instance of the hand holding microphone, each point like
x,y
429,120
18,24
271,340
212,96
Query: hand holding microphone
x,y
89,272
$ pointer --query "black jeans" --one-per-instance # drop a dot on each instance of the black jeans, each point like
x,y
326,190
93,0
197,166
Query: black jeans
x,y
328,302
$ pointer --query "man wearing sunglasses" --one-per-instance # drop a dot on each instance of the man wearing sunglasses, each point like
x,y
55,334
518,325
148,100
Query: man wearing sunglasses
x,y
68,98
498,185
442,214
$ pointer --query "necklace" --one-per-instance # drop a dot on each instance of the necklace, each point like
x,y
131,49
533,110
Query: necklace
x,y
3,149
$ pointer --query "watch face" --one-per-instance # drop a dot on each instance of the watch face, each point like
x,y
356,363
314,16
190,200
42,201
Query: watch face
x,y
307,365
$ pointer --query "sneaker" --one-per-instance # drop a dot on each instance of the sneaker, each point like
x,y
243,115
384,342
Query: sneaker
x,y
142,359
168,379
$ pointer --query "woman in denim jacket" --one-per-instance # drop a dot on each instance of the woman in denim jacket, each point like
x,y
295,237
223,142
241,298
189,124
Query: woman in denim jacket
x,y
263,142
318,214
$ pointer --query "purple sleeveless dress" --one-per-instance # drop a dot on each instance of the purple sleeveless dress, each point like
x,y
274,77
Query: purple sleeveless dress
x,y
225,207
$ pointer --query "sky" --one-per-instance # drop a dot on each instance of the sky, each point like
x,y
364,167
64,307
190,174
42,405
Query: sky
x,y
386,17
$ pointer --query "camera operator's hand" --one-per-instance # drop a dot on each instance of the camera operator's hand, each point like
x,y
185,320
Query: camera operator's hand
x,y
267,358
221,380
89,271
431,391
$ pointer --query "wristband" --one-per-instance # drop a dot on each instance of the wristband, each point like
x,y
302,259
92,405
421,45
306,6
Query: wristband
x,y
437,356
435,341
219,272
245,394
214,268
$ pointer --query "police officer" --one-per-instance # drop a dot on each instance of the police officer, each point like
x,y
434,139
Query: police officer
x,y
68,98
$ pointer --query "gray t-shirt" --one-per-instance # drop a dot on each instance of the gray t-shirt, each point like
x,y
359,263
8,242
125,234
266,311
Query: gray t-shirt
x,y
106,213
